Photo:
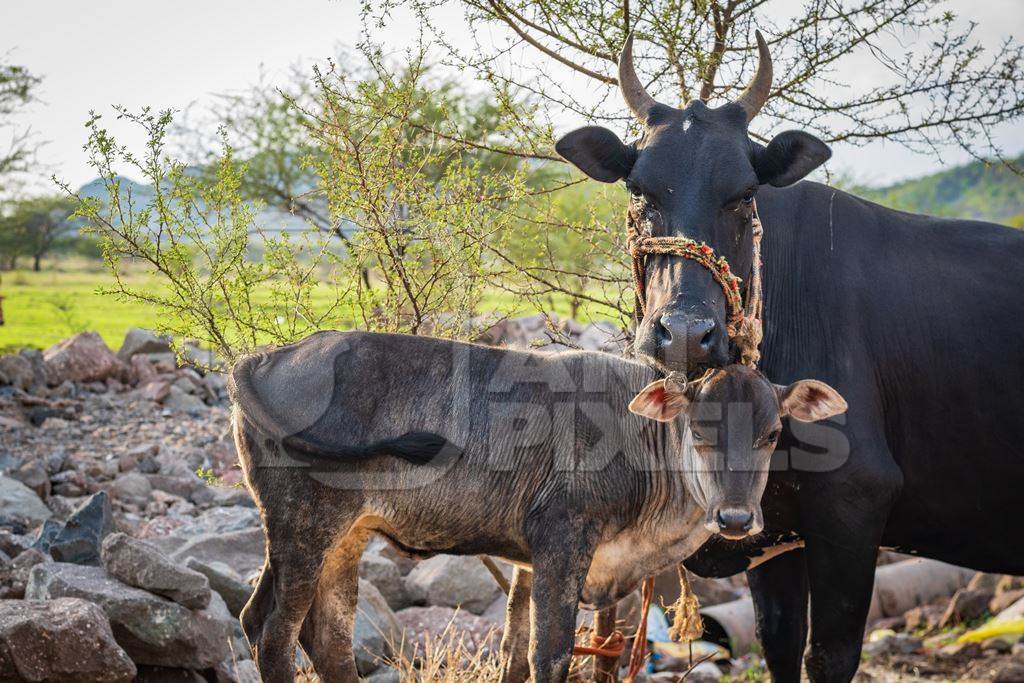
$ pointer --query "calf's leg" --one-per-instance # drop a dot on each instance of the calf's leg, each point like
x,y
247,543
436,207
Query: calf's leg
x,y
326,634
297,545
515,641
260,605
561,554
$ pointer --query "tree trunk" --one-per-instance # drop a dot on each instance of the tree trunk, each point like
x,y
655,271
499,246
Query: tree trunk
x,y
35,262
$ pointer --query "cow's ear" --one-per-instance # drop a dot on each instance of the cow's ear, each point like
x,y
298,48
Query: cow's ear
x,y
598,152
789,157
660,400
810,400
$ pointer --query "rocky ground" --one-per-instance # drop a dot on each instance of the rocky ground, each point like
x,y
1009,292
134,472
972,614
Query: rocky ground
x,y
128,546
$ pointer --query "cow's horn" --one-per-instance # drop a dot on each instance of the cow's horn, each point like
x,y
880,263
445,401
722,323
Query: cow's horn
x,y
633,91
756,92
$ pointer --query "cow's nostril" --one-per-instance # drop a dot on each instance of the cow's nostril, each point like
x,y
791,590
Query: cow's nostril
x,y
665,328
734,521
706,340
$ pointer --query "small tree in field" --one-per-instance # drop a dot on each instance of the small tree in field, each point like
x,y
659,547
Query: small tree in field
x,y
36,227
417,217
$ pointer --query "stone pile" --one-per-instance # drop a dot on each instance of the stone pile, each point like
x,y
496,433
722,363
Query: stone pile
x,y
119,561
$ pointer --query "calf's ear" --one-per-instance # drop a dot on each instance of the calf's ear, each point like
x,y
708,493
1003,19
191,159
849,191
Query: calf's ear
x,y
810,400
660,400
598,152
789,157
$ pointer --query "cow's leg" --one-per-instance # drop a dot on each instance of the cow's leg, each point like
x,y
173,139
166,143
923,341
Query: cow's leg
x,y
843,522
841,580
779,591
562,551
515,641
326,634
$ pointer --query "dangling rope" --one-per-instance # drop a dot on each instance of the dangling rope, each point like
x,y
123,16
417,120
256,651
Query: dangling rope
x,y
743,323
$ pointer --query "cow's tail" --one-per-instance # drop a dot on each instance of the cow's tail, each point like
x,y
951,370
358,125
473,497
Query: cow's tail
x,y
418,448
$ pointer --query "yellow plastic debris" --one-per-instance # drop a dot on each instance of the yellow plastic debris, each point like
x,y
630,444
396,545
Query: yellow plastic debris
x,y
994,629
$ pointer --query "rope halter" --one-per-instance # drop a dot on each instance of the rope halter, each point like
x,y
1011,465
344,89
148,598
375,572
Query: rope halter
x,y
743,320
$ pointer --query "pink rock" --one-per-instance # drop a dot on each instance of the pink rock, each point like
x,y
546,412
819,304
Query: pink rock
x,y
156,390
143,369
82,358
444,625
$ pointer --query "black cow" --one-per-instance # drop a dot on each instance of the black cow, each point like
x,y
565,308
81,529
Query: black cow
x,y
916,320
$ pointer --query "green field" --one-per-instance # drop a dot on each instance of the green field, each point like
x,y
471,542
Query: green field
x,y
64,299
43,308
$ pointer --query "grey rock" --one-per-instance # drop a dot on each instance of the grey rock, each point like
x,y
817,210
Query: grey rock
x,y
138,340
385,674
66,639
151,629
237,672
200,358
166,674
20,503
183,486
225,581
385,575
216,384
131,487
17,372
453,581
375,630
69,483
142,565
497,611
243,551
179,401
33,474
222,496
13,544
14,576
78,540
898,643
186,384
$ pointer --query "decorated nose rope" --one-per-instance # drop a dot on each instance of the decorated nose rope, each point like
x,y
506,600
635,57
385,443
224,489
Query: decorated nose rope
x,y
743,323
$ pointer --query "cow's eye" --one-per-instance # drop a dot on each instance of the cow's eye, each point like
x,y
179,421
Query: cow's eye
x,y
748,196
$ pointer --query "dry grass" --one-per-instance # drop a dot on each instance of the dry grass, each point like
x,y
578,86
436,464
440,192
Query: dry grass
x,y
450,657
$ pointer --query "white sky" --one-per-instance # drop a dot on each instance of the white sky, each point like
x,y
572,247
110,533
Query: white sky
x,y
96,54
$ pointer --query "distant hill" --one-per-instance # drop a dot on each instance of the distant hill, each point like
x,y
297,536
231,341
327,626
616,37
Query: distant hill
x,y
270,218
990,192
